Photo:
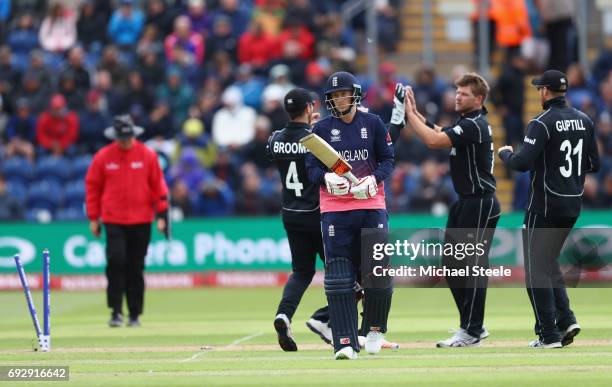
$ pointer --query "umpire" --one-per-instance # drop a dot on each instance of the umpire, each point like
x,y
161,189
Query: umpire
x,y
559,148
125,188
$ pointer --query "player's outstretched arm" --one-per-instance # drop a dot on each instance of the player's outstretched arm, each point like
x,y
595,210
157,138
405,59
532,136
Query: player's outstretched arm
x,y
434,139
524,160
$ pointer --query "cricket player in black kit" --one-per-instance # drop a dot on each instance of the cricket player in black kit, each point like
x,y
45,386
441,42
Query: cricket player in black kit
x,y
559,148
473,218
300,211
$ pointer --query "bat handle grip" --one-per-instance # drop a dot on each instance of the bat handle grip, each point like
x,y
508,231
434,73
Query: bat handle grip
x,y
351,177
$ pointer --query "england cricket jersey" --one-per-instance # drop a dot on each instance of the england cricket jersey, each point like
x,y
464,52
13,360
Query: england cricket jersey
x,y
365,143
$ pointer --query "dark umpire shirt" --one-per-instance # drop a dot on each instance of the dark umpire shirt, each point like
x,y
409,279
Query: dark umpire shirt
x,y
471,157
300,196
559,149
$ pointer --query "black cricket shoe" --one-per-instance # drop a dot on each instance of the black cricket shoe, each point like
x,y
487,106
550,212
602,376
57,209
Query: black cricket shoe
x,y
116,320
571,332
283,330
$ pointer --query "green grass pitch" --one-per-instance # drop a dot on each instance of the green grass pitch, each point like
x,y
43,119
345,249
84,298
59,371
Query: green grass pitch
x,y
234,326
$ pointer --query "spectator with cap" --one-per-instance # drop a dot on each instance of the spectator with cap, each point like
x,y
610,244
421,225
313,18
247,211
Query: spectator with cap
x,y
183,36
93,122
58,128
126,24
234,124
126,211
21,131
58,30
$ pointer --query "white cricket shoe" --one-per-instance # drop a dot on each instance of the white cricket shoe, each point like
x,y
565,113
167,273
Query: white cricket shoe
x,y
540,344
460,339
373,342
283,331
346,353
320,328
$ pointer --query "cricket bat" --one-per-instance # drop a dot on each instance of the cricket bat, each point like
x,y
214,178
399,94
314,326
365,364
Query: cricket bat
x,y
328,156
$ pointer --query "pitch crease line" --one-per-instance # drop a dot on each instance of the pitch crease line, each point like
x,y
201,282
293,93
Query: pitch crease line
x,y
233,343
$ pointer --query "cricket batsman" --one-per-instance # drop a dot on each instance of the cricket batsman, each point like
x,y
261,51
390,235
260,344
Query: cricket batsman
x,y
363,140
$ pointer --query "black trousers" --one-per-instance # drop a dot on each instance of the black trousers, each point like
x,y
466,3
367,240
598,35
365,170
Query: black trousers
x,y
305,244
543,239
126,248
471,220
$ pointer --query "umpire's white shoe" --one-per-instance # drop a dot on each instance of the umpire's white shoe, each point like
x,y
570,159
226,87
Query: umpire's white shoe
x,y
569,334
540,344
346,353
283,331
460,339
320,328
373,342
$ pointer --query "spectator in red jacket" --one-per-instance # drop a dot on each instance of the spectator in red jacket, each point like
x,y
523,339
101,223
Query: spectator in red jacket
x,y
57,128
297,31
192,42
256,47
125,188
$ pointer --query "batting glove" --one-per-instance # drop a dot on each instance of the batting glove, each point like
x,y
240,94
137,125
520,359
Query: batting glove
x,y
337,185
398,114
366,188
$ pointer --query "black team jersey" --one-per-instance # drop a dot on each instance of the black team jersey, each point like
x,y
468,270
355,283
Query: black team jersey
x,y
558,149
300,196
471,157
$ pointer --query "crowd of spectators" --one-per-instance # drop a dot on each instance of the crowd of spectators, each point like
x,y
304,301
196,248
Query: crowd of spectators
x,y
206,79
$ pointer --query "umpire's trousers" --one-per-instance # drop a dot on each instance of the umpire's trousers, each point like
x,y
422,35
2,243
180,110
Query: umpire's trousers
x,y
543,238
471,220
126,248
